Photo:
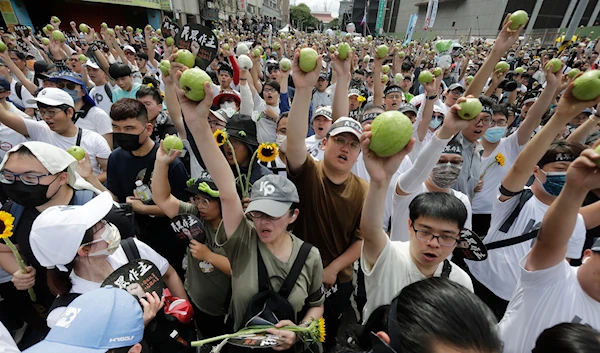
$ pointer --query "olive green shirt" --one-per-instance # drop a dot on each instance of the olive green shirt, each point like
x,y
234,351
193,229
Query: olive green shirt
x,y
206,286
241,251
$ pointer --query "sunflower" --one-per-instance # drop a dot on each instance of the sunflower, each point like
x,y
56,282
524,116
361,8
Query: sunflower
x,y
321,330
221,137
361,99
7,224
267,152
500,159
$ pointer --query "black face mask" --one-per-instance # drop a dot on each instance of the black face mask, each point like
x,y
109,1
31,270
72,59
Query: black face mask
x,y
128,142
28,195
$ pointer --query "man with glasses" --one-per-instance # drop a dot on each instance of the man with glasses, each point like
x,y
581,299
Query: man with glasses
x,y
435,169
58,128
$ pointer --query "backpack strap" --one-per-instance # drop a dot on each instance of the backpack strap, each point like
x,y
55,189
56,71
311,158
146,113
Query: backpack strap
x,y
18,88
150,167
512,241
131,250
17,211
525,196
108,92
82,197
63,301
79,133
292,277
263,275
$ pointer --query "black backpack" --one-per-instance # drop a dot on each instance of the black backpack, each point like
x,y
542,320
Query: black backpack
x,y
268,304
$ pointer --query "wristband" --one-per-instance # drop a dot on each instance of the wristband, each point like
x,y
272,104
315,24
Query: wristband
x,y
430,98
243,79
509,193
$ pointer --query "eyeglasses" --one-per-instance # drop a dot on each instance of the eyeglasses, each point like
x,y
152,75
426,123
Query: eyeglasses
x,y
49,112
200,202
68,84
456,91
258,215
341,141
444,240
269,90
7,177
486,121
500,123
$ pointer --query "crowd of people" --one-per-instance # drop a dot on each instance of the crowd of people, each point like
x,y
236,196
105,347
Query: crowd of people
x,y
480,235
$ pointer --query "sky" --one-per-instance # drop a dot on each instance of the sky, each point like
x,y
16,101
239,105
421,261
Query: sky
x,y
319,5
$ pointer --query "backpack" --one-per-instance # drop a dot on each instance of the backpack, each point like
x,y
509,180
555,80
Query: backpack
x,y
268,304
526,194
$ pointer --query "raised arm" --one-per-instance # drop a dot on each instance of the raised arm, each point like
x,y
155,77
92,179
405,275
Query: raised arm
x,y
381,171
247,104
171,97
161,188
518,175
505,40
431,90
18,73
582,132
535,114
297,127
13,121
377,84
340,105
196,118
552,242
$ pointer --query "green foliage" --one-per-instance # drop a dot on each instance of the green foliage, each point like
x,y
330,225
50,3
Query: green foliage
x,y
302,13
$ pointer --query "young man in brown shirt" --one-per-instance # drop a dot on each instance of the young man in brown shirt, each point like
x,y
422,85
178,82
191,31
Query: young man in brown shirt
x,y
331,197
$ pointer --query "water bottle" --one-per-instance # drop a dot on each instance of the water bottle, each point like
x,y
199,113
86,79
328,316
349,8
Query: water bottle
x,y
143,191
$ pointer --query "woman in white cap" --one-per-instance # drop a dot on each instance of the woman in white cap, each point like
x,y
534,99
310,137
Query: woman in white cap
x,y
80,249
261,245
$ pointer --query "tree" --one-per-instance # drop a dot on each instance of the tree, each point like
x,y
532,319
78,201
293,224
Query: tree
x,y
334,23
300,16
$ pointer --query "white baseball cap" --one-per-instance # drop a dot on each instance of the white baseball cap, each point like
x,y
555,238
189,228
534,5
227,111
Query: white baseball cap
x,y
57,233
128,47
53,97
345,124
91,64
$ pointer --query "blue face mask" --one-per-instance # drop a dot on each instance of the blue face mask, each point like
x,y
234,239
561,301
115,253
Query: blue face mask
x,y
555,181
494,134
72,93
435,122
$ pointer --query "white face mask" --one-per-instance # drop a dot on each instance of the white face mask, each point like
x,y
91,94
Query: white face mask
x,y
281,141
112,237
228,105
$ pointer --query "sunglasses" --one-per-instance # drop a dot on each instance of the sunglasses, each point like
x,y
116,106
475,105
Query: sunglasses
x,y
68,84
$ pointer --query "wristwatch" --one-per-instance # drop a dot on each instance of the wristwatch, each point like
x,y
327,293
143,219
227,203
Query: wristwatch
x,y
430,98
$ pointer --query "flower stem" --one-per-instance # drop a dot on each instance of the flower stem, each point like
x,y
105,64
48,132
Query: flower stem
x,y
21,263
237,166
230,335
250,172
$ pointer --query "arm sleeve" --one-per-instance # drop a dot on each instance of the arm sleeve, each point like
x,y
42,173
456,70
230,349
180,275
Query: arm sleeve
x,y
236,70
247,102
413,179
284,102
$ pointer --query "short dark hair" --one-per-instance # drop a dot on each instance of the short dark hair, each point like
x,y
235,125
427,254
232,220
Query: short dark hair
x,y
19,54
438,310
118,70
500,109
568,337
438,205
560,147
142,55
128,108
274,84
146,90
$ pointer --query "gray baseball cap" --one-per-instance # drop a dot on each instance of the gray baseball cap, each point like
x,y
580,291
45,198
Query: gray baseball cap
x,y
596,246
272,195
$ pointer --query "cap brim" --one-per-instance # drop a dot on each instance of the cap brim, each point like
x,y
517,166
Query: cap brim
x,y
269,207
48,346
91,64
45,100
470,246
218,116
98,208
341,130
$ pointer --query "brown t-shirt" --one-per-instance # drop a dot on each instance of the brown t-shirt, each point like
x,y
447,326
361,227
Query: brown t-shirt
x,y
329,213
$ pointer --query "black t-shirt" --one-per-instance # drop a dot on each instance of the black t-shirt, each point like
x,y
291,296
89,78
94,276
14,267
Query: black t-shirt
x,y
124,169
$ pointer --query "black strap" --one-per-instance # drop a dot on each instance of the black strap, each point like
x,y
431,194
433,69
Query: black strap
x,y
130,249
446,269
150,167
108,92
525,196
18,88
512,241
79,133
290,280
83,112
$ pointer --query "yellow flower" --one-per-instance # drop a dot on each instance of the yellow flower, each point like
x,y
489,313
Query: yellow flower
x,y
6,225
321,330
221,137
361,99
267,152
500,159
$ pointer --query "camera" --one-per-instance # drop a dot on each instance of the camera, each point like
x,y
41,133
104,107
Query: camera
x,y
508,84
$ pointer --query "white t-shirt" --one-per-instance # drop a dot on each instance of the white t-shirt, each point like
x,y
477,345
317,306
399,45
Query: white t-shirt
x,y
116,260
25,95
9,138
500,272
96,120
94,144
100,97
395,270
400,212
265,127
543,299
313,146
360,170
510,149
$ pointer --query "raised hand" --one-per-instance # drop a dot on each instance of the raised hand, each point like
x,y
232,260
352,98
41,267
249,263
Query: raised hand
x,y
583,172
305,79
166,158
569,106
507,37
381,169
452,122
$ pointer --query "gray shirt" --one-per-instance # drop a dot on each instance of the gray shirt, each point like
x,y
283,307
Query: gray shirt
x,y
471,168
